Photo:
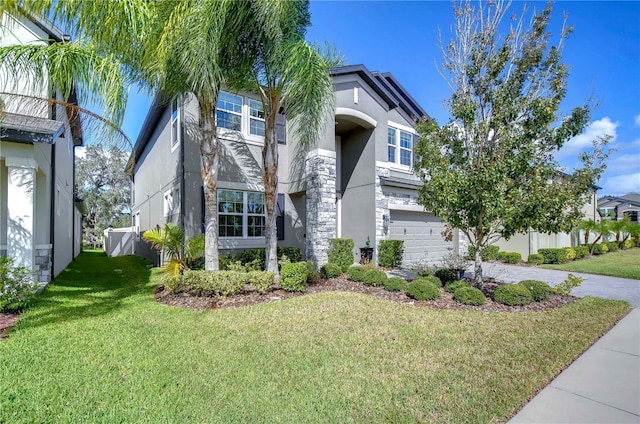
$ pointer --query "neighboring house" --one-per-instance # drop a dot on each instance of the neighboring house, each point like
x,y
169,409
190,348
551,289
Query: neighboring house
x,y
529,243
40,219
357,182
616,208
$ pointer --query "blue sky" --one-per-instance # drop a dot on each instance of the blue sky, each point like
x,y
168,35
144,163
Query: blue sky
x,y
402,38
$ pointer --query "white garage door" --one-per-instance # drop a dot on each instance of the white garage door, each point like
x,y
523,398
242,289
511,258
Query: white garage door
x,y
422,235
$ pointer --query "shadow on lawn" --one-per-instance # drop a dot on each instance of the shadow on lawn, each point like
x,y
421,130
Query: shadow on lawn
x,y
90,286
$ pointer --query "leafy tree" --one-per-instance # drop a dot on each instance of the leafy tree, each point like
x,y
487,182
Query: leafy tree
x,y
292,76
103,184
490,170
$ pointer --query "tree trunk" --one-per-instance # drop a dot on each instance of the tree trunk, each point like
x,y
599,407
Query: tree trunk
x,y
210,164
270,178
477,270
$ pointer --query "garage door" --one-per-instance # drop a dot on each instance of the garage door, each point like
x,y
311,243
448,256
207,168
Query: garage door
x,y
422,235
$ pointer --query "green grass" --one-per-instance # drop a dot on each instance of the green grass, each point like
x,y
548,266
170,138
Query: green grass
x,y
96,347
623,263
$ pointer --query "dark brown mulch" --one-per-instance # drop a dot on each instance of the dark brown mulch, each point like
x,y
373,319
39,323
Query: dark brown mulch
x,y
7,320
187,300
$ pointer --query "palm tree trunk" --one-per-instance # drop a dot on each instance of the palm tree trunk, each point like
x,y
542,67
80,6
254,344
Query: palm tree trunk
x,y
210,165
270,178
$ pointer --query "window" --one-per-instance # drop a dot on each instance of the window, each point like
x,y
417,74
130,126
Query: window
x,y
399,147
229,111
175,123
240,214
256,118
172,201
243,114
633,215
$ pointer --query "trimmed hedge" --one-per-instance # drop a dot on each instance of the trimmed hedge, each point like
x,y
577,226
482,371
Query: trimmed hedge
x,y
216,283
446,275
510,257
613,246
341,252
469,296
312,273
600,248
293,276
539,289
261,280
581,251
390,253
394,284
356,273
374,277
330,270
536,259
455,285
571,253
256,256
490,253
628,244
432,279
554,255
512,295
423,290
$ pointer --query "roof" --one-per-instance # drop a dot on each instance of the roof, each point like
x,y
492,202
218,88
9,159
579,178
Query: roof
x,y
614,201
30,129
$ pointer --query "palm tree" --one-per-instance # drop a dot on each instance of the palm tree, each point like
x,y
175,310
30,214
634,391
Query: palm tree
x,y
170,240
290,76
620,230
588,226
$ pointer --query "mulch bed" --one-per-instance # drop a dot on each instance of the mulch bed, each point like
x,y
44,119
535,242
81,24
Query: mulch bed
x,y
446,301
7,320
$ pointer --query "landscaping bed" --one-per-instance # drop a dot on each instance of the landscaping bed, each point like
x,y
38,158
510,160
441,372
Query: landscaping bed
x,y
341,283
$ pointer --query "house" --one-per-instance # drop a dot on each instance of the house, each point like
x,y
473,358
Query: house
x,y
40,219
357,182
616,208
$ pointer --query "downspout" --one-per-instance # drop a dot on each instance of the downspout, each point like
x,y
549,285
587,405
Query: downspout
x,y
182,178
73,203
52,226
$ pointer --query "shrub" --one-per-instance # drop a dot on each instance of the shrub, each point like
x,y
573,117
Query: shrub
x,y
454,285
390,253
261,280
16,285
432,279
330,270
341,252
628,244
293,253
554,255
469,296
395,284
539,290
581,251
446,275
564,288
600,248
512,295
422,290
312,273
216,283
612,245
490,253
571,254
293,276
536,259
356,273
171,282
510,257
223,262
253,259
374,277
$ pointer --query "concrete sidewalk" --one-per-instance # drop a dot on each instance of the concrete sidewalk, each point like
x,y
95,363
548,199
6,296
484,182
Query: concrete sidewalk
x,y
601,386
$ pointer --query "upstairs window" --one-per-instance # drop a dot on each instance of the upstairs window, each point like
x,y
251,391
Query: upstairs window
x,y
229,111
256,118
399,147
245,115
240,214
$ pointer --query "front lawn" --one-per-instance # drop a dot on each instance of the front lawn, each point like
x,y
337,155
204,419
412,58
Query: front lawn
x,y
623,263
96,347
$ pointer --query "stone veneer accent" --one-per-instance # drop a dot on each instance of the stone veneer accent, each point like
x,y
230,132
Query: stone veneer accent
x,y
43,264
321,205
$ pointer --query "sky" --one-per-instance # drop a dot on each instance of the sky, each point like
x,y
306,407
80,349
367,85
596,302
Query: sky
x,y
401,37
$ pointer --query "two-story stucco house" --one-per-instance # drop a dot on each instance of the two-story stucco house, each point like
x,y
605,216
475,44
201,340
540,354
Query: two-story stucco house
x,y
39,217
357,182
616,208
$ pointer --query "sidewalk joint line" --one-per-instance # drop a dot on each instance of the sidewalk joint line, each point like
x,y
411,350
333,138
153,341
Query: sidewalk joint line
x,y
596,401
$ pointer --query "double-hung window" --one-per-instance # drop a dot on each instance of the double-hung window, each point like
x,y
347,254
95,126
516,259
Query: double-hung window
x,y
256,118
229,111
240,214
172,201
399,146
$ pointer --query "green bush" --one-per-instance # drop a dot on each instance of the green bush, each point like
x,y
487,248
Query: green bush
x,y
554,255
628,244
341,252
261,280
600,248
432,279
216,283
172,283
356,273
512,295
564,288
422,290
330,270
536,259
452,286
223,262
293,253
394,284
16,285
374,277
446,275
469,296
254,258
312,273
581,251
490,253
571,254
390,253
293,276
510,257
613,246
539,290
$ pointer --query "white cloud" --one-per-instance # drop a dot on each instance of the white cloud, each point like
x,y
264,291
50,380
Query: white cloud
x,y
621,184
637,119
624,163
80,152
583,141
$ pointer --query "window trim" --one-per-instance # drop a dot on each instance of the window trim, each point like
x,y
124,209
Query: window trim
x,y
245,120
171,207
245,215
174,123
397,146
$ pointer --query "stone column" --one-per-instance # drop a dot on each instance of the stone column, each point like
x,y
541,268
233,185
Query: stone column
x,y
21,210
321,204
